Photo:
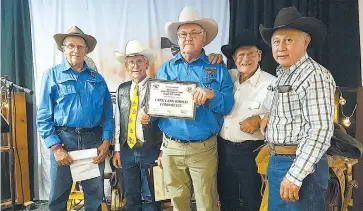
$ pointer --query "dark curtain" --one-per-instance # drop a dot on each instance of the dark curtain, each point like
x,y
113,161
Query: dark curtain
x,y
341,51
17,59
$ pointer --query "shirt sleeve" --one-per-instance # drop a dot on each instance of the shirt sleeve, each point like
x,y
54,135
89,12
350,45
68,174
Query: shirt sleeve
x,y
108,122
45,114
117,124
318,111
223,100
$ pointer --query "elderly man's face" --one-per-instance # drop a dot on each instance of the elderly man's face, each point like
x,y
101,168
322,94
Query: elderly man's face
x,y
74,49
288,46
137,66
191,38
246,59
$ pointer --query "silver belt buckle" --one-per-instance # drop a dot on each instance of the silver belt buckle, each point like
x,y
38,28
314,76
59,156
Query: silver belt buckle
x,y
271,148
77,130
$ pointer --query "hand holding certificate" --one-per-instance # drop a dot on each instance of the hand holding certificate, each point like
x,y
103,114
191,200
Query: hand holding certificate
x,y
170,99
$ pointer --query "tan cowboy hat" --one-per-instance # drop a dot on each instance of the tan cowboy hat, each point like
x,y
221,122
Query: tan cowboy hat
x,y
134,48
190,15
75,31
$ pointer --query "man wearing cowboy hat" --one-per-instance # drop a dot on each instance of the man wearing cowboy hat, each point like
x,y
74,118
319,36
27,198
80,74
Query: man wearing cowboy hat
x,y
189,155
300,121
136,146
238,179
75,113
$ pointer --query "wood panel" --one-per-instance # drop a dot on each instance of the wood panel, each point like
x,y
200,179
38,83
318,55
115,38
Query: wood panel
x,y
358,168
20,143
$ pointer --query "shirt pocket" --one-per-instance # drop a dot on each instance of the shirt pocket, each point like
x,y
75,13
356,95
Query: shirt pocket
x,y
66,87
251,105
287,105
95,90
209,82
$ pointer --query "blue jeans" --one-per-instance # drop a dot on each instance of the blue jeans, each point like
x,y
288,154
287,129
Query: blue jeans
x,y
134,166
61,178
313,189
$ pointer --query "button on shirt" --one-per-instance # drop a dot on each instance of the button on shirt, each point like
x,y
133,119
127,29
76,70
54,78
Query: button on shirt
x,y
303,115
209,117
73,99
139,131
252,97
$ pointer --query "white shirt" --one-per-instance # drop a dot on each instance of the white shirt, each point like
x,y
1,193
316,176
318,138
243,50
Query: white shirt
x,y
252,97
139,131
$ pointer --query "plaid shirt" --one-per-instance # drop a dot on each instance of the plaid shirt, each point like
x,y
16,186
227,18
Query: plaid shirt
x,y
302,114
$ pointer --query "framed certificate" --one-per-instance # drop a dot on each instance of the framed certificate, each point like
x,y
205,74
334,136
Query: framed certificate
x,y
171,99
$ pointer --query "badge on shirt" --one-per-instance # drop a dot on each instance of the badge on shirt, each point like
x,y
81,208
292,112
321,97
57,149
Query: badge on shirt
x,y
93,74
210,71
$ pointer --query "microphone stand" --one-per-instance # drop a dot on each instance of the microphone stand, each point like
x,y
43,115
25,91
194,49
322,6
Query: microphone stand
x,y
10,96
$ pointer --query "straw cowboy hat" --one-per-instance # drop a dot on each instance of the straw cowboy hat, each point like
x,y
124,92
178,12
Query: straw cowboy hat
x,y
290,18
75,31
244,38
134,48
190,15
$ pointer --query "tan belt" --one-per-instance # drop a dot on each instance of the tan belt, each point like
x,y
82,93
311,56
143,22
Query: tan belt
x,y
282,150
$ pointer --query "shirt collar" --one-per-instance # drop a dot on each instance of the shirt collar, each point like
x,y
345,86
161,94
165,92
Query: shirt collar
x,y
141,83
253,80
293,67
202,57
67,66
255,77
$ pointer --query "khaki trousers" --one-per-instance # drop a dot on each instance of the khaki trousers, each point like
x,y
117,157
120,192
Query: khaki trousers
x,y
188,165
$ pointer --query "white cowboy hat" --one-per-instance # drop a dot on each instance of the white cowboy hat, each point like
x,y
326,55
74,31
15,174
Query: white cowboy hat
x,y
75,31
134,48
190,15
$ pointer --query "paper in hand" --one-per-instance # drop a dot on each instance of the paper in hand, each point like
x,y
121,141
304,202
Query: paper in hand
x,y
83,167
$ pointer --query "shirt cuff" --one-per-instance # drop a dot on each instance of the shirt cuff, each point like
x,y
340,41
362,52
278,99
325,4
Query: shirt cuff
x,y
117,147
52,140
296,178
107,135
216,100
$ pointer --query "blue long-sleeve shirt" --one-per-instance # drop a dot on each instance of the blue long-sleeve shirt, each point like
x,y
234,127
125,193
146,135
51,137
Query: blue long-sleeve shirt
x,y
209,117
73,99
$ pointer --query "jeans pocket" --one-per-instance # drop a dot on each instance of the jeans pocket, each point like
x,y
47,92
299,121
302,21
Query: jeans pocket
x,y
165,143
210,144
321,173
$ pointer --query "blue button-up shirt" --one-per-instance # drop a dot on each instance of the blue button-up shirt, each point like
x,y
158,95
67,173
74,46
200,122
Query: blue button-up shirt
x,y
73,99
209,117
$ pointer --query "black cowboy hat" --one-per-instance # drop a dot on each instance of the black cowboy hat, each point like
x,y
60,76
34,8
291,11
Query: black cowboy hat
x,y
244,38
290,18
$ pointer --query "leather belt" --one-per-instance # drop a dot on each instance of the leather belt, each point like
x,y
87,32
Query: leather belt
x,y
79,130
247,144
282,149
184,141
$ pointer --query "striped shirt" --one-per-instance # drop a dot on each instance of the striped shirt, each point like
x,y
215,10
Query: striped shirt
x,y
302,114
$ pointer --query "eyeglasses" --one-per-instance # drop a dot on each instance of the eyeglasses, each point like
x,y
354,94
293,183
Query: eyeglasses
x,y
71,46
184,35
139,62
247,55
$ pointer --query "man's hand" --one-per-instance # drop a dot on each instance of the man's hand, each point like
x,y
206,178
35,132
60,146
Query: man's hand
x,y
289,191
264,122
102,152
62,157
159,160
200,95
116,160
144,117
215,58
251,124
